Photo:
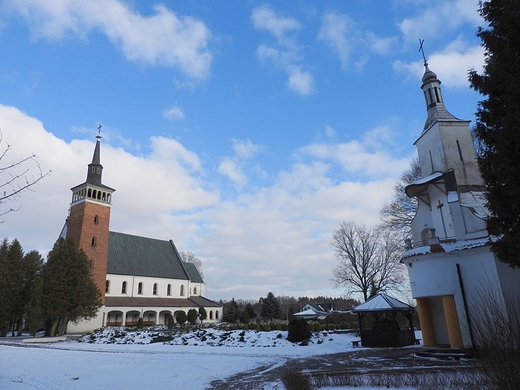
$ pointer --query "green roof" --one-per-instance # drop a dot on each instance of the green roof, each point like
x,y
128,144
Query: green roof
x,y
142,256
193,272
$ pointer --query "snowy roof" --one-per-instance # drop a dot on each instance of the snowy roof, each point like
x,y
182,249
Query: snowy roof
x,y
420,185
448,247
382,302
476,202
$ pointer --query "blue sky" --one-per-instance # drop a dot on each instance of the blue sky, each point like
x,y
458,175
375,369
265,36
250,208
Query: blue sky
x,y
245,131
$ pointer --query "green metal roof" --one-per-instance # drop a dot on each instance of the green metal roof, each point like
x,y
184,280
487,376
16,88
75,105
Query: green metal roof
x,y
193,273
142,256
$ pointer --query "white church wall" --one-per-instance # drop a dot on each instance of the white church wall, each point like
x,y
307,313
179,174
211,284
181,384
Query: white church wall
x,y
440,213
431,155
132,286
86,326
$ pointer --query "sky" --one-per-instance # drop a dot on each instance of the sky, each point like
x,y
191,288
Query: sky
x,y
245,131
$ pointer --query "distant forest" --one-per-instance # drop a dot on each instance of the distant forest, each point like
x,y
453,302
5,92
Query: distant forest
x,y
289,305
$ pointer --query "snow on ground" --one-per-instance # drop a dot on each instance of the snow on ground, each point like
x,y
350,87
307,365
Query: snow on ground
x,y
114,359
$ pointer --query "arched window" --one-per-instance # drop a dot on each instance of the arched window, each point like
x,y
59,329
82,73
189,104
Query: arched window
x,y
195,290
140,288
155,289
169,290
211,314
123,288
107,286
182,290
216,315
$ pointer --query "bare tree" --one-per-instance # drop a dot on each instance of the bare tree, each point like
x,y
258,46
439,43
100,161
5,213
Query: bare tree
x,y
369,259
397,215
16,177
190,257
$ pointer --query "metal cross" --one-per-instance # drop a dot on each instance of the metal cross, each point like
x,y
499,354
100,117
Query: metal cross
x,y
99,128
421,49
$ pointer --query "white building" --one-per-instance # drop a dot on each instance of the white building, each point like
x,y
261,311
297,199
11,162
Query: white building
x,y
449,259
138,277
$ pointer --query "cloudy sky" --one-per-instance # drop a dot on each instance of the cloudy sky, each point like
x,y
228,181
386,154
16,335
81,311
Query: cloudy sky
x,y
245,131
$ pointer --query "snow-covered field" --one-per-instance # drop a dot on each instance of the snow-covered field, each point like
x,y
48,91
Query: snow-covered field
x,y
120,360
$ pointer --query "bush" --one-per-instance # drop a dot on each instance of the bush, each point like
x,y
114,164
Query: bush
x,y
254,326
298,330
294,380
181,317
140,323
318,327
265,328
169,322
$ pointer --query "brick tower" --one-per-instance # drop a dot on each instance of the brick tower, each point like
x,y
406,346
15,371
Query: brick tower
x,y
89,218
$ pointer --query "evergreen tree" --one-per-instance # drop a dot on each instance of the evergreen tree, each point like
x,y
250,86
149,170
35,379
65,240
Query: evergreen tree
x,y
202,314
192,316
270,308
250,311
17,274
181,317
230,312
498,123
69,293
33,310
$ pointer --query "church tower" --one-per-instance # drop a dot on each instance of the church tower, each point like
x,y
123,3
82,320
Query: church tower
x,y
445,142
89,218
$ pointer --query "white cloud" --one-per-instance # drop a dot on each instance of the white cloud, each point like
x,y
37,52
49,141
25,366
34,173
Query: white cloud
x,y
299,81
245,149
163,38
231,169
346,39
264,18
451,64
276,237
440,18
173,113
285,54
333,31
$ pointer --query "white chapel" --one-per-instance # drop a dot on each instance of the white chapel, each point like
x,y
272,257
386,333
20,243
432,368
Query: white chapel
x,y
448,259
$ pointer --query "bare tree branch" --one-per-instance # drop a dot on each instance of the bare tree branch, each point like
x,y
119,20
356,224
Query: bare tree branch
x,y
369,259
190,257
398,214
17,177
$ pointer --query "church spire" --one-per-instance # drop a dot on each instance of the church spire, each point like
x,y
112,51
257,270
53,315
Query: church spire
x,y
95,169
92,188
431,87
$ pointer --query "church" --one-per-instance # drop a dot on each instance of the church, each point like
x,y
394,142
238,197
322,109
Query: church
x,y
138,277
449,260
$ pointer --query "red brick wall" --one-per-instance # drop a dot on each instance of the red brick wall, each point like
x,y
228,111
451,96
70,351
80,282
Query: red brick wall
x,y
82,228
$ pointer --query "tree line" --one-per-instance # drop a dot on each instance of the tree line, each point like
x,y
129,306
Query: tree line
x,y
271,308
45,295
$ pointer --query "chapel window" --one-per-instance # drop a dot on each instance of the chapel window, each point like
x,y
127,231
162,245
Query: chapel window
x,y
169,290
140,288
182,290
123,288
155,289
107,286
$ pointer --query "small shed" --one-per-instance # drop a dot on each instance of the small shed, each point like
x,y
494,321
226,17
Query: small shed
x,y
378,322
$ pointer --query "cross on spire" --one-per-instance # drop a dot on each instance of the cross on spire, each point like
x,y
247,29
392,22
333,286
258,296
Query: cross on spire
x,y
421,49
99,131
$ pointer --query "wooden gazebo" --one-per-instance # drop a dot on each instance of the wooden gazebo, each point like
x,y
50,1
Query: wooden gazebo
x,y
378,323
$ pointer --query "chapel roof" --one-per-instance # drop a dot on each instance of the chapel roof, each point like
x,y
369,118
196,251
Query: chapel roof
x,y
143,256
193,273
382,302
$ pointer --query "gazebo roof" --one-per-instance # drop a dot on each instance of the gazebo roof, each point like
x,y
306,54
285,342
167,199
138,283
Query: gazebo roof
x,y
382,302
